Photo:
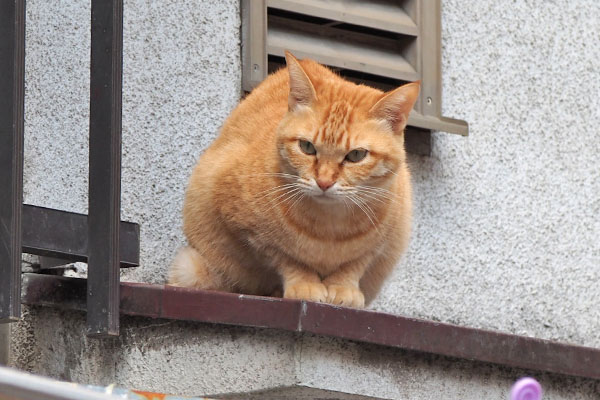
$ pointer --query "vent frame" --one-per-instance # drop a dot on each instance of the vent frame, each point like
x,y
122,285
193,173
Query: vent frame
x,y
417,34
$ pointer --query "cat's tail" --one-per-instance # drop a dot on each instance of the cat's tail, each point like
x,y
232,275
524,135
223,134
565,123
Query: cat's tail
x,y
189,270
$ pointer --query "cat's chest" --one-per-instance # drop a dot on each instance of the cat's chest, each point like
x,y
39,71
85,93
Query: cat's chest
x,y
323,254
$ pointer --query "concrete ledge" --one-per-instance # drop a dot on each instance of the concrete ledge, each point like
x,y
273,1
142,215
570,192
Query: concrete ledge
x,y
297,392
161,301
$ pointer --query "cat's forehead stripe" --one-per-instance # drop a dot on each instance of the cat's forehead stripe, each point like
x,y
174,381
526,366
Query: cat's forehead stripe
x,y
340,137
336,120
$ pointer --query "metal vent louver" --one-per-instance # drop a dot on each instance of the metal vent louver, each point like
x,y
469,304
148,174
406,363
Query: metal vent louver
x,y
382,43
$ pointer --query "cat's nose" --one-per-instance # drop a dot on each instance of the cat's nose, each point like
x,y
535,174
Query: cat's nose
x,y
324,184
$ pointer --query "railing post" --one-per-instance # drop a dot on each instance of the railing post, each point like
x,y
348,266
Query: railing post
x,y
105,167
12,88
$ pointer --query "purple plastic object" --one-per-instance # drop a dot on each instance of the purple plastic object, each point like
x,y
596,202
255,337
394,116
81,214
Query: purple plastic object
x,y
526,389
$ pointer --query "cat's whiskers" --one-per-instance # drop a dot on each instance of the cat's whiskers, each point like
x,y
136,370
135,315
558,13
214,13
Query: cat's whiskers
x,y
286,196
366,201
371,196
275,189
381,192
361,205
366,195
299,198
362,208
375,189
367,206
392,172
378,196
277,174
347,205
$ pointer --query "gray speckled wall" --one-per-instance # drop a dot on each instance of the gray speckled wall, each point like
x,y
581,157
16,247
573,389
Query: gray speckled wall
x,y
181,78
506,220
56,104
506,232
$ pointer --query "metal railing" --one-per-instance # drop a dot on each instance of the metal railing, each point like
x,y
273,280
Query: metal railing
x,y
100,238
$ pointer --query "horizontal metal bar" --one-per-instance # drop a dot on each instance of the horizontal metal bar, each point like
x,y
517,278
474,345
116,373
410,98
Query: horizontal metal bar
x,y
370,57
63,234
389,17
443,124
159,301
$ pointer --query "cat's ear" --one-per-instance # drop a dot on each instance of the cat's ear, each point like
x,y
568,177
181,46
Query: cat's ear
x,y
302,91
395,106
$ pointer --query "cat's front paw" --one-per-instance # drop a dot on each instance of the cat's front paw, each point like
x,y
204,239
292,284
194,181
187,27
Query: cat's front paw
x,y
312,291
348,296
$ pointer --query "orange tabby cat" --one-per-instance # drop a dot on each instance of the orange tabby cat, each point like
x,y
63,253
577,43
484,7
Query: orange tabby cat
x,y
306,190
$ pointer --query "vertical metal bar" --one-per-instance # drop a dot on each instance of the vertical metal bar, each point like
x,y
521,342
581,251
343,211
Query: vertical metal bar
x,y
431,53
12,104
105,167
254,43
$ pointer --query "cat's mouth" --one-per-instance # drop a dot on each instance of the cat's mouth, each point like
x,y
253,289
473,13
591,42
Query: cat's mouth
x,y
330,195
324,198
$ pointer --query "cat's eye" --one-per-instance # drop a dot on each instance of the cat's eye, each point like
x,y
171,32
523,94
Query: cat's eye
x,y
307,147
356,155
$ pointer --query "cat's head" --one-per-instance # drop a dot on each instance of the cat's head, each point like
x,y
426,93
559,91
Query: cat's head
x,y
337,138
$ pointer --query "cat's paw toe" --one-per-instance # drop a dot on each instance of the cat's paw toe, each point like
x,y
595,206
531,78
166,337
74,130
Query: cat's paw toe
x,y
312,291
348,296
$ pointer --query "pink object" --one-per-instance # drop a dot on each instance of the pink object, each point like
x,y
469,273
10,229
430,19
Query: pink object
x,y
526,389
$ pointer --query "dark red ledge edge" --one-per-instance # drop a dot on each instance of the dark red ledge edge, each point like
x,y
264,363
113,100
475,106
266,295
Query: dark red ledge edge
x,y
162,301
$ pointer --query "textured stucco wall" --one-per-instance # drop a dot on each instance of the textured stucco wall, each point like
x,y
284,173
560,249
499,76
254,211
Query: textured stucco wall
x,y
506,228
506,220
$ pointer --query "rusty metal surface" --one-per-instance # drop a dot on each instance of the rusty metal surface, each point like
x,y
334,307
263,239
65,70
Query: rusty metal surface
x,y
160,301
452,340
228,308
